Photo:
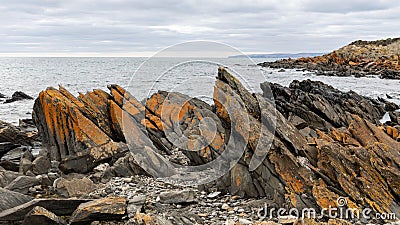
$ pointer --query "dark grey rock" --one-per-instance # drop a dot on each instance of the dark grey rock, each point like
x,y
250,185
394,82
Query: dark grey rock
x,y
22,184
41,165
6,177
135,204
173,197
18,96
10,199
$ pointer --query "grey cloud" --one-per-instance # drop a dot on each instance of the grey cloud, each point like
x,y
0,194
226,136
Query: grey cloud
x,y
135,26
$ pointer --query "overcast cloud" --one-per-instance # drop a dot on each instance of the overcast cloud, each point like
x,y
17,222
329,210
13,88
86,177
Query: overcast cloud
x,y
128,26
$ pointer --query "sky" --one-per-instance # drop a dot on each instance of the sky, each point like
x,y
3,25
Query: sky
x,y
140,28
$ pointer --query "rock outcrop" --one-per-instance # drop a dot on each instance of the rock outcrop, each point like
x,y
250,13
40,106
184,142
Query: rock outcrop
x,y
304,145
18,96
359,58
79,132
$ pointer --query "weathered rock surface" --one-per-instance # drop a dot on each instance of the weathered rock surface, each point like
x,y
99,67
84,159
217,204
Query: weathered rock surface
x,y
111,208
315,105
175,120
74,187
41,165
7,176
358,58
40,215
22,184
6,147
10,199
175,197
18,96
317,145
16,135
78,131
60,207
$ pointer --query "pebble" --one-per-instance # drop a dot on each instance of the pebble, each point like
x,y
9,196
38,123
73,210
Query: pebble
x,y
128,180
214,194
244,221
225,206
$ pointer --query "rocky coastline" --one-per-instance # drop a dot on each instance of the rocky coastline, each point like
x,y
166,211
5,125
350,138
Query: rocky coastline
x,y
359,59
323,145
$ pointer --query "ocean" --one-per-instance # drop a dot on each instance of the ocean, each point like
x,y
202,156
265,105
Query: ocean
x,y
142,77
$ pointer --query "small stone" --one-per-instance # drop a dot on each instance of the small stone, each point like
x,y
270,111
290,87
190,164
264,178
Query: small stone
x,y
230,222
101,168
245,221
128,180
135,205
202,214
52,176
41,165
287,219
171,197
214,194
225,206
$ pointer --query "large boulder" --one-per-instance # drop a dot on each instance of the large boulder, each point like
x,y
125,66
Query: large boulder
x,y
74,186
77,131
317,105
314,170
176,120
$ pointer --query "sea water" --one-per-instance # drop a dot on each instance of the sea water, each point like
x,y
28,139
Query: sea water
x,y
142,77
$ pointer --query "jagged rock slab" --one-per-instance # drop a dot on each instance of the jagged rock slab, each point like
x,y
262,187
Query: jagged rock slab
x,y
15,135
318,145
60,207
6,147
77,131
6,177
175,120
112,208
40,215
10,199
317,105
22,184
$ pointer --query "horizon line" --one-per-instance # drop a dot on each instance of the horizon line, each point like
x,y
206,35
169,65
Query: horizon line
x,y
120,55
